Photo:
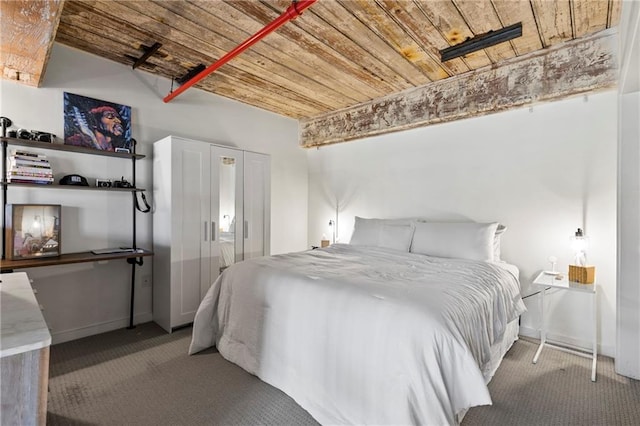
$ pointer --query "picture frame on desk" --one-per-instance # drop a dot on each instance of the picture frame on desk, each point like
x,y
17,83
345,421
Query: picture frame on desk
x,y
32,231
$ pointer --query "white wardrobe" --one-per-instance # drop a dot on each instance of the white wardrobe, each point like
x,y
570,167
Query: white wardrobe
x,y
212,209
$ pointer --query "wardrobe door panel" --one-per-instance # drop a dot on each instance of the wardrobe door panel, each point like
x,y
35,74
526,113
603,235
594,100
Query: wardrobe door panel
x,y
257,201
226,208
181,226
193,237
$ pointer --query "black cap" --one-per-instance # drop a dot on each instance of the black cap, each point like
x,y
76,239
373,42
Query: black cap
x,y
74,180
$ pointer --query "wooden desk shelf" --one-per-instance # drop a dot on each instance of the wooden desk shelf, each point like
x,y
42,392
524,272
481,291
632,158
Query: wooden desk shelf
x,y
65,259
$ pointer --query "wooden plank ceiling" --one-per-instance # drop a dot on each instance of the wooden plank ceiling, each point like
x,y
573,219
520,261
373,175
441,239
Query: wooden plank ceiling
x,y
338,55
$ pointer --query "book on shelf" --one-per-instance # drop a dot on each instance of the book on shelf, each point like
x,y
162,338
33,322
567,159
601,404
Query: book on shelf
x,y
27,170
12,176
29,163
13,161
20,152
29,176
35,182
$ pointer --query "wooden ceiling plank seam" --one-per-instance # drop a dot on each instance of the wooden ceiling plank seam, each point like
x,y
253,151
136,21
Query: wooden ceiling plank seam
x,y
510,12
434,35
572,16
368,13
503,25
543,41
123,45
473,31
482,23
350,77
68,38
362,11
451,25
241,62
117,31
589,16
581,66
554,18
113,25
250,59
315,69
433,54
343,21
338,41
81,23
168,42
343,58
425,36
222,86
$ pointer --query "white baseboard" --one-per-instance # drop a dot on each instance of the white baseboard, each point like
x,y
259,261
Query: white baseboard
x,y
568,341
103,327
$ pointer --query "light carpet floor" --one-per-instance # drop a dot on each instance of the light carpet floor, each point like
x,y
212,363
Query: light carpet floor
x,y
145,377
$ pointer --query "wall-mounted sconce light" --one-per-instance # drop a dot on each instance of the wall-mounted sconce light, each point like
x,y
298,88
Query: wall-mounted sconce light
x,y
333,231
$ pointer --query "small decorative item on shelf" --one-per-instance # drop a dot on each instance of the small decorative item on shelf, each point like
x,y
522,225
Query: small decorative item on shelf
x,y
582,274
32,231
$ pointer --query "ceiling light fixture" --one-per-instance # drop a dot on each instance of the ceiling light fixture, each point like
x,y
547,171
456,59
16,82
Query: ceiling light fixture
x,y
482,41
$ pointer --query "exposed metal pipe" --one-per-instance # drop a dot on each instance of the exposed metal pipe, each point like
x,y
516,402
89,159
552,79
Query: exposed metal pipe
x,y
293,11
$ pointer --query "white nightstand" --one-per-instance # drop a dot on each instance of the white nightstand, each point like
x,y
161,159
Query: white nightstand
x,y
549,282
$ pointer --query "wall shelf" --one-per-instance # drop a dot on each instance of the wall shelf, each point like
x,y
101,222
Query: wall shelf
x,y
68,148
133,258
71,187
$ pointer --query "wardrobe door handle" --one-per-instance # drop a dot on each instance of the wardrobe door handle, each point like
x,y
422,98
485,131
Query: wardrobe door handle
x,y
213,231
205,230
246,229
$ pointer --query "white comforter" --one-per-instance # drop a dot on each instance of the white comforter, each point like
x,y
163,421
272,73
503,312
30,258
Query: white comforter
x,y
363,335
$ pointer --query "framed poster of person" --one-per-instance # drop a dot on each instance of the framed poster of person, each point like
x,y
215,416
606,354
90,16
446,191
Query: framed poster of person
x,y
97,124
32,230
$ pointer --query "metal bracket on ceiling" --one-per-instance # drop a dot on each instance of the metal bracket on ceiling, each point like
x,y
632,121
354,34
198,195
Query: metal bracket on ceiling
x,y
148,51
193,71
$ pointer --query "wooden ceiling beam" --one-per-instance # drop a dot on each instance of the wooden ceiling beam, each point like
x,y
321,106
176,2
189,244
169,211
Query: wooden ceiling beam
x,y
26,36
578,66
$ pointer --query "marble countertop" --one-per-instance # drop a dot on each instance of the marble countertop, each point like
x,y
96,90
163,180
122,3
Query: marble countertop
x,y
22,326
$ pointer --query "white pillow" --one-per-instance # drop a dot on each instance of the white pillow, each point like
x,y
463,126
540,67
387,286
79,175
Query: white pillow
x,y
474,241
396,237
388,233
366,232
496,242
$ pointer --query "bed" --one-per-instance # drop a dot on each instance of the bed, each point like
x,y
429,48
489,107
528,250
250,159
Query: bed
x,y
227,249
368,333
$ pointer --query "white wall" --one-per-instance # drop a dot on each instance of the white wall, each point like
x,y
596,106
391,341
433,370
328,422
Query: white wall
x,y
83,299
628,303
543,172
